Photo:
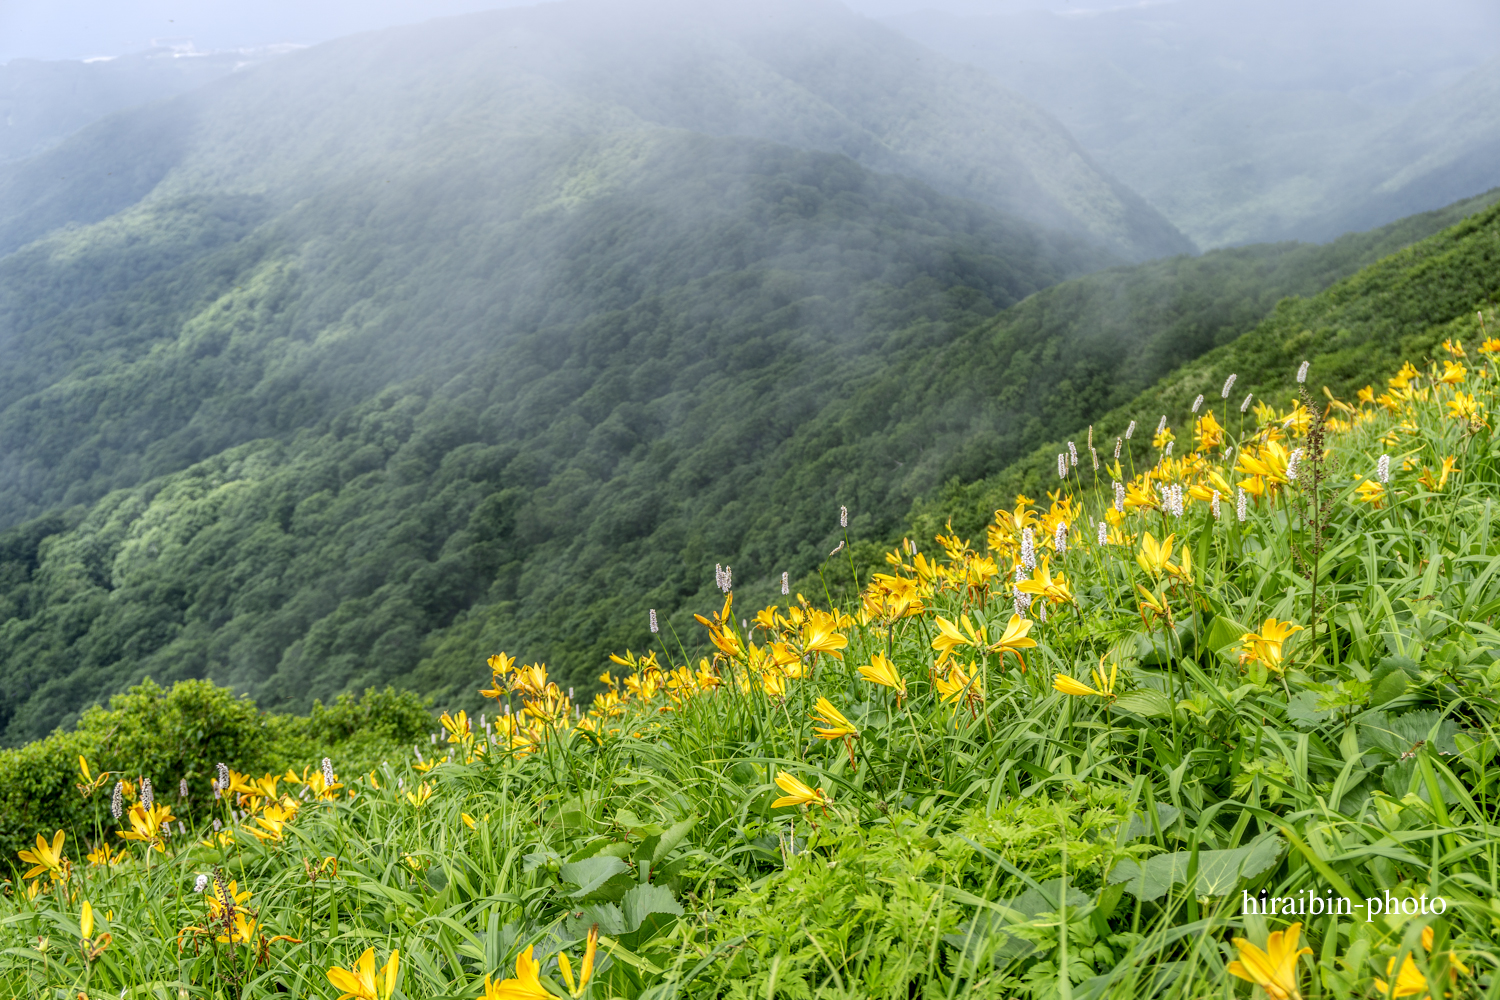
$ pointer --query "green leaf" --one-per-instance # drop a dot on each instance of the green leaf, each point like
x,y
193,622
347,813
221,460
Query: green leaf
x,y
1389,681
1140,824
674,835
1218,871
1224,632
1302,709
1146,702
648,909
591,873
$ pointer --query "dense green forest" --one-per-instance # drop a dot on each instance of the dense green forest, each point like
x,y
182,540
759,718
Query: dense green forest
x,y
568,386
297,373
542,498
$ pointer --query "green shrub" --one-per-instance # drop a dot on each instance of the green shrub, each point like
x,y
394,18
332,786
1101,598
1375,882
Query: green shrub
x,y
181,733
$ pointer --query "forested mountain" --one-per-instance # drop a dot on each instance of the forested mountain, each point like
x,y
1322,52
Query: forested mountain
x,y
1247,121
570,371
308,386
456,98
540,499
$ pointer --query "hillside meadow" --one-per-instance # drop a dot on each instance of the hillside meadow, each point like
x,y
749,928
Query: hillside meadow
x,y
1076,755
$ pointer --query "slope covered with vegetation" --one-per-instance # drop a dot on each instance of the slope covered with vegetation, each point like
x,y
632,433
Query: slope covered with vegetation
x,y
1400,307
1230,717
568,374
460,101
709,406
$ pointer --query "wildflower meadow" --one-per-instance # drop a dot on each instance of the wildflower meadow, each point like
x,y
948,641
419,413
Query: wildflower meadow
x,y
1219,722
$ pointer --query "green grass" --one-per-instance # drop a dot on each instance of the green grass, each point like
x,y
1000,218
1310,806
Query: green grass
x,y
1011,841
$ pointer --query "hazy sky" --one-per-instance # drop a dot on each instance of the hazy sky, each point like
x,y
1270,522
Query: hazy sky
x,y
73,29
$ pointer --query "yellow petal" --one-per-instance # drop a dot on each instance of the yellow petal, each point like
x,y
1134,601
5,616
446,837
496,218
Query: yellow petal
x,y
392,969
1068,685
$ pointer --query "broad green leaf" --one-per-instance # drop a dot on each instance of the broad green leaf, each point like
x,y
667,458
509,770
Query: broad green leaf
x,y
591,873
648,909
674,835
1146,702
1223,633
1218,871
1140,824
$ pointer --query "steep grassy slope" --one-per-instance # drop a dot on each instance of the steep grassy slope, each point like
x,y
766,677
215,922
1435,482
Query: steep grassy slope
x,y
1401,307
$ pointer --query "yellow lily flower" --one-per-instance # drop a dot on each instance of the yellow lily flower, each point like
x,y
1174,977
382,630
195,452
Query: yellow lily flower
x,y
91,782
1370,492
1268,463
1463,406
91,947
1184,570
835,726
1208,432
951,634
818,635
1068,685
362,982
1153,555
1409,981
272,822
145,825
1042,584
242,931
958,684
1275,969
457,726
420,796
526,986
1450,466
104,855
1453,373
798,794
881,670
773,683
46,858
1014,639
1156,605
1265,647
1106,689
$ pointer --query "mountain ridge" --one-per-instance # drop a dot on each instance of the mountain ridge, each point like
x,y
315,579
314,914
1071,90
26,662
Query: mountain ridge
x,y
558,68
